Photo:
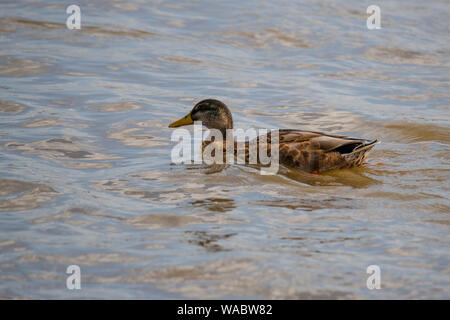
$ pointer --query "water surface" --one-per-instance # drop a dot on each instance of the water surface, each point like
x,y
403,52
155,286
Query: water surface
x,y
85,170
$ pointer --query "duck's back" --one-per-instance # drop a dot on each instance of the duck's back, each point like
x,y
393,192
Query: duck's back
x,y
318,152
307,150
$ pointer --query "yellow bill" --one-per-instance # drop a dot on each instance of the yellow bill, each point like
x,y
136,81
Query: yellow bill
x,y
182,122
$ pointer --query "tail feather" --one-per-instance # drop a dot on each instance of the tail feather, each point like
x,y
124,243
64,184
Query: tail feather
x,y
359,154
366,146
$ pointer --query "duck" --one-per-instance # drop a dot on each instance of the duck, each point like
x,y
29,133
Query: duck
x,y
310,151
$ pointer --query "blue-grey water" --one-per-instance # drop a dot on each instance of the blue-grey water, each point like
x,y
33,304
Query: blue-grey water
x,y
86,175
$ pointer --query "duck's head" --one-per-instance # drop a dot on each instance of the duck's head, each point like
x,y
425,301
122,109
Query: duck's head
x,y
213,114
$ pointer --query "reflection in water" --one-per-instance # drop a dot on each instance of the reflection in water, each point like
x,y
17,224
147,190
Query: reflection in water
x,y
164,221
86,176
312,204
215,204
354,177
207,240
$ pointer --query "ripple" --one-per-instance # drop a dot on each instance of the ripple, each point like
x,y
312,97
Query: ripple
x,y
312,204
116,107
418,132
9,25
323,119
419,97
76,216
266,39
117,32
164,221
60,150
10,107
132,137
20,67
100,99
129,137
163,195
126,6
232,277
22,195
398,56
86,260
209,241
180,60
51,123
215,204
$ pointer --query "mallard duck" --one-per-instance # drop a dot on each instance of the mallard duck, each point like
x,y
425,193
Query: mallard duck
x,y
310,151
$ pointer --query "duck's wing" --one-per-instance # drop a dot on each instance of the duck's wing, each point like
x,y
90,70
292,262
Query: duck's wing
x,y
319,141
317,151
311,151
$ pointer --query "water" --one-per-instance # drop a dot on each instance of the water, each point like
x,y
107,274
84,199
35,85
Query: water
x,y
85,170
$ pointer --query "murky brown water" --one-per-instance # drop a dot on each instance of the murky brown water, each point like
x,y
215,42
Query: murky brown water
x,y
85,170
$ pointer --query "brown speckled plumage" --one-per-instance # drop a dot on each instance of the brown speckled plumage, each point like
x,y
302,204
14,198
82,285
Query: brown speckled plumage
x,y
307,150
